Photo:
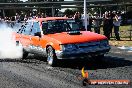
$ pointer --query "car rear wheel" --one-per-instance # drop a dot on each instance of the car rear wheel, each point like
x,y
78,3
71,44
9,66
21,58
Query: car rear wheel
x,y
51,56
24,53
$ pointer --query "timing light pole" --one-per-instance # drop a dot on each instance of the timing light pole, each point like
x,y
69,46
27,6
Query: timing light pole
x,y
85,15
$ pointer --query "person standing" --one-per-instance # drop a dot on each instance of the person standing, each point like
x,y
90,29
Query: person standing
x,y
76,17
111,15
89,22
117,22
78,20
96,23
106,27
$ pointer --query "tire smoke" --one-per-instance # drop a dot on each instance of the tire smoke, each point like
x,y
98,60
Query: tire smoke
x,y
8,47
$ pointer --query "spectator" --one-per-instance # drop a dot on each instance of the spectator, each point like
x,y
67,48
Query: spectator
x,y
96,23
25,18
43,15
76,17
110,15
22,17
106,27
78,20
89,22
17,17
117,22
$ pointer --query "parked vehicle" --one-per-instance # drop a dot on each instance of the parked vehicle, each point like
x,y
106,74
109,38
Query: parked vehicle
x,y
60,38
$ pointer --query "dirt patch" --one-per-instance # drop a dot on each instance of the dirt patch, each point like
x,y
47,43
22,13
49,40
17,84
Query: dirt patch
x,y
121,43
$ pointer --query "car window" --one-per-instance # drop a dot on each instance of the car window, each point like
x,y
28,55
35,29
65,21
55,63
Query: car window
x,y
44,27
27,29
73,24
21,29
35,28
55,26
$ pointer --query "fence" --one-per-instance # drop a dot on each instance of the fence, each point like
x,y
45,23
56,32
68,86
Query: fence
x,y
124,33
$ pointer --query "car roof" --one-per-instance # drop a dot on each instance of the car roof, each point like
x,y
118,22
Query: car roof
x,y
51,18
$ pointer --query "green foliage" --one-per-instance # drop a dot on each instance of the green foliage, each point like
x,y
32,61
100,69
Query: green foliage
x,y
68,12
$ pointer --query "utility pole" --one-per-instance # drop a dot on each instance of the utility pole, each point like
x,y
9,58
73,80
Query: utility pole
x,y
53,11
85,15
3,13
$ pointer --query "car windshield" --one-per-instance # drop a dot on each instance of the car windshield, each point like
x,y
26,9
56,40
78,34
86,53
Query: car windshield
x,y
57,26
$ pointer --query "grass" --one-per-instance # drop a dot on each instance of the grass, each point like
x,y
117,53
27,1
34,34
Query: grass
x,y
127,27
124,35
123,42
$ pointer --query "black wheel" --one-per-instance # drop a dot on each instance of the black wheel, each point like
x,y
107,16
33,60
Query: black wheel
x,y
51,56
25,54
99,58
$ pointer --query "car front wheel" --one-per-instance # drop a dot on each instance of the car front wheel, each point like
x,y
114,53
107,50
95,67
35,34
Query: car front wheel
x,y
51,56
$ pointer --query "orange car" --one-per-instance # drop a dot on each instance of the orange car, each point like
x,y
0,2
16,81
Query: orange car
x,y
60,38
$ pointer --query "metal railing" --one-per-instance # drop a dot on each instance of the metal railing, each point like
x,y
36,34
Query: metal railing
x,y
126,33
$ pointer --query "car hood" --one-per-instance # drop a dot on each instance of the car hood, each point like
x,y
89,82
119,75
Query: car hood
x,y
85,36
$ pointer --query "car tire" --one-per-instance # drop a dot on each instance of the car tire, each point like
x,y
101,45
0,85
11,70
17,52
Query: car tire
x,y
51,56
24,53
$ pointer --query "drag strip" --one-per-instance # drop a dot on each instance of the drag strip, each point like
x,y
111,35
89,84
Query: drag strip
x,y
35,73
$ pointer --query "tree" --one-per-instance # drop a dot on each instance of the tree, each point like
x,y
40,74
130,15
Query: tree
x,y
68,12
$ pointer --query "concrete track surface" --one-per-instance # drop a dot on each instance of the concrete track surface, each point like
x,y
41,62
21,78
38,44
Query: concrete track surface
x,y
35,73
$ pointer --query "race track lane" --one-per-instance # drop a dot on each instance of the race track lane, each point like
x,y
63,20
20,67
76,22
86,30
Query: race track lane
x,y
35,73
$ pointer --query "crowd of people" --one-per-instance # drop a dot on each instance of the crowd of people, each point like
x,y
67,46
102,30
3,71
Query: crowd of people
x,y
108,21
19,18
22,17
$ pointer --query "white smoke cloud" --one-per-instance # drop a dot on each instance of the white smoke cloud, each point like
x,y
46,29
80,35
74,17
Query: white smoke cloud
x,y
8,48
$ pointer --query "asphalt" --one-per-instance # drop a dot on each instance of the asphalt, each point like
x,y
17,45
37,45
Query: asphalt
x,y
35,73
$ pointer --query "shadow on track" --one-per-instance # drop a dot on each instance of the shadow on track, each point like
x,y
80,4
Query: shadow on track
x,y
108,62
9,60
30,59
15,60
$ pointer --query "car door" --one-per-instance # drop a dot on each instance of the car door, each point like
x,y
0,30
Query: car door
x,y
18,34
35,37
25,36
